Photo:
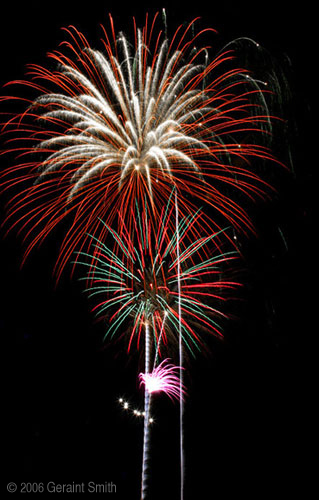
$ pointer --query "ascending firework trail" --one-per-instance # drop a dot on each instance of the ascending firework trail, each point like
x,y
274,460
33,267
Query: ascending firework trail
x,y
180,349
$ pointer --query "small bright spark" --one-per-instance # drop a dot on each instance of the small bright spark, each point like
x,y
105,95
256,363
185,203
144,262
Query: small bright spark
x,y
138,413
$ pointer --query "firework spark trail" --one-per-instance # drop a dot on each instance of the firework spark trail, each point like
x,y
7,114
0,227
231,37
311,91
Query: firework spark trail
x,y
158,343
147,407
180,350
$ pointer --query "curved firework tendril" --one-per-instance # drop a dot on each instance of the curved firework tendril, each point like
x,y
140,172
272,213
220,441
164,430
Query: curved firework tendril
x,y
123,125
163,378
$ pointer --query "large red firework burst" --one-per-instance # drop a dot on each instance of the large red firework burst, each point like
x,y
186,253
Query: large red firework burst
x,y
110,127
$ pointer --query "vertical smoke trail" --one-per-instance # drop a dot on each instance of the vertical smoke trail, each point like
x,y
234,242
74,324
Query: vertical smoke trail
x,y
181,402
147,404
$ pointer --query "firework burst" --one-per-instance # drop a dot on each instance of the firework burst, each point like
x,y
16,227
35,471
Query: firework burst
x,y
108,128
138,282
124,144
163,378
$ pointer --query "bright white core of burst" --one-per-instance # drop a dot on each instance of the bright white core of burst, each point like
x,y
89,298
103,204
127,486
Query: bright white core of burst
x,y
153,384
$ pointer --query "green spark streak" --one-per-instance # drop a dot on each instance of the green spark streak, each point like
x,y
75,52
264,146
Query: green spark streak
x,y
117,238
115,326
140,225
207,265
203,306
112,302
194,247
183,226
164,219
197,309
138,258
175,320
103,289
112,257
159,267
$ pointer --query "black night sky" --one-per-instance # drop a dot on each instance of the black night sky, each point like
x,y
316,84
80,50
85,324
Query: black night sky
x,y
247,411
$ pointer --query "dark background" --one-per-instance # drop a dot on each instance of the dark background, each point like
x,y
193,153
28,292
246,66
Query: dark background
x,y
247,414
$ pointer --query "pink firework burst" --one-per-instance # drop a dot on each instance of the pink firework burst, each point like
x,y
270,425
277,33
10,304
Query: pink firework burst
x,y
164,378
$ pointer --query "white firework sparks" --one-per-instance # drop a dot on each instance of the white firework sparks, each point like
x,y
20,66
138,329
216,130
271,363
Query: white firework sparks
x,y
143,115
125,124
149,133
